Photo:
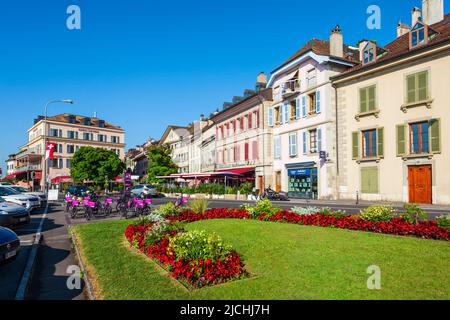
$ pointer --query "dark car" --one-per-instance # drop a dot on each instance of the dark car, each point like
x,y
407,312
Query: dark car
x,y
12,214
77,191
9,245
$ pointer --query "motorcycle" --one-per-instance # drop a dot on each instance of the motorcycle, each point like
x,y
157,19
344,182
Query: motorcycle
x,y
271,194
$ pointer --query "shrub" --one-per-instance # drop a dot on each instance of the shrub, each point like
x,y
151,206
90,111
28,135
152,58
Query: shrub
x,y
196,244
231,190
377,213
168,209
329,212
262,207
159,230
305,210
198,205
443,221
246,188
413,214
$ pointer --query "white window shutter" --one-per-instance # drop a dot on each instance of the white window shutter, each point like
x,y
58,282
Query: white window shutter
x,y
305,149
319,139
270,117
318,101
297,108
304,106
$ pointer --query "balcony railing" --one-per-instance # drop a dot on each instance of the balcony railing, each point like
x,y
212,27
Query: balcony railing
x,y
290,87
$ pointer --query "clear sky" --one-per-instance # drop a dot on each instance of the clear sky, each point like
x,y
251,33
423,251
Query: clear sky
x,y
146,64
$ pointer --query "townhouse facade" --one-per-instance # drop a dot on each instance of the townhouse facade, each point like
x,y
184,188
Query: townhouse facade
x,y
394,119
69,133
178,138
302,117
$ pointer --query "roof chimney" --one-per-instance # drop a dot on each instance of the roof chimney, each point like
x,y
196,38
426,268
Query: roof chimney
x,y
416,15
433,11
402,29
337,42
261,78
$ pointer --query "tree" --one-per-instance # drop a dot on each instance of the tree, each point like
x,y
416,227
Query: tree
x,y
95,164
160,162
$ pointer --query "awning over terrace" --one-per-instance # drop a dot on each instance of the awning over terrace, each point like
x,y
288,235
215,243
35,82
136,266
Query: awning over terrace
x,y
13,175
206,175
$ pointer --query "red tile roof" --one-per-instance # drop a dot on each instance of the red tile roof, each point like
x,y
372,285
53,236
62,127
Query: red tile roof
x,y
400,46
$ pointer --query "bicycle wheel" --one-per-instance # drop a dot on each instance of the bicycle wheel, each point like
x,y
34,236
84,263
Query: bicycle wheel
x,y
73,212
88,214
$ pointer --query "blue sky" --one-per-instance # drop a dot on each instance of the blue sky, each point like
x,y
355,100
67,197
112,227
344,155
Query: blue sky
x,y
146,64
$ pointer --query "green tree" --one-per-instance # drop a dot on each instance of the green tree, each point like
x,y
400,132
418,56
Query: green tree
x,y
95,164
160,162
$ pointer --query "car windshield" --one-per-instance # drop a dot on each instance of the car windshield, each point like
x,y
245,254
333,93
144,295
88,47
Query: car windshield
x,y
7,192
2,200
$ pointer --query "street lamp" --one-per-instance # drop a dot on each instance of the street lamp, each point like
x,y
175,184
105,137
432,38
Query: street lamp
x,y
45,138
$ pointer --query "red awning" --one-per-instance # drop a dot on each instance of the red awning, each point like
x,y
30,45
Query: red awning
x,y
118,178
13,175
239,171
61,179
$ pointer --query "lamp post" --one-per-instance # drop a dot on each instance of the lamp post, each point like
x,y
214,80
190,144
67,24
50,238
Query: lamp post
x,y
44,175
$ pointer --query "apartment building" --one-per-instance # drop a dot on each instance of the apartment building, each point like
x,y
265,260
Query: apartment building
x,y
10,164
179,139
302,117
69,133
243,139
208,149
394,115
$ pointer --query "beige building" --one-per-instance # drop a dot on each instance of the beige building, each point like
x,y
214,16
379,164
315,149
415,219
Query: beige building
x,y
69,132
394,117
179,139
243,139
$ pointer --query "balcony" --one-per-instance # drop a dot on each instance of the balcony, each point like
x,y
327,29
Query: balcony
x,y
290,87
31,155
237,164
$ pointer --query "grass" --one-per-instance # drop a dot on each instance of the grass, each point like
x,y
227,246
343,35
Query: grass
x,y
287,261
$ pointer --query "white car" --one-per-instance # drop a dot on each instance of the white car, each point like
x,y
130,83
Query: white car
x,y
144,189
41,195
27,201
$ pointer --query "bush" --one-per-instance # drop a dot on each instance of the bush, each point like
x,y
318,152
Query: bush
x,y
413,214
246,188
262,207
168,209
305,211
231,190
160,230
443,221
196,244
329,212
377,213
198,205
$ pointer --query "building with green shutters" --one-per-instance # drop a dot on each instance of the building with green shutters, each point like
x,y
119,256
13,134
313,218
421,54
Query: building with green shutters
x,y
393,116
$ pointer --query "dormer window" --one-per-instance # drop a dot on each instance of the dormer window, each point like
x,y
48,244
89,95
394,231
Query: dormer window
x,y
418,35
370,53
87,121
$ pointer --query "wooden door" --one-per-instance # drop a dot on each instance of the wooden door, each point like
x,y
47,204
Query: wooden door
x,y
278,181
419,184
261,184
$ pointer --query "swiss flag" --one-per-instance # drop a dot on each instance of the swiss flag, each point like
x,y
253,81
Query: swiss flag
x,y
49,150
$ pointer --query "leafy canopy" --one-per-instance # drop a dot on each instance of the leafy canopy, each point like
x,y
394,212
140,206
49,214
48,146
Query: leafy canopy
x,y
95,164
160,162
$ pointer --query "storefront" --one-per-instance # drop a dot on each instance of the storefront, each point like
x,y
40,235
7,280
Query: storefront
x,y
302,180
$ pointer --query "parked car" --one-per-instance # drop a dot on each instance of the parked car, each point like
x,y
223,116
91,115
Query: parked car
x,y
5,184
27,201
9,245
144,189
12,214
41,195
77,191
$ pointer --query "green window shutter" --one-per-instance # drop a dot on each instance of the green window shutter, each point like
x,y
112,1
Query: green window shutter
x,y
422,86
355,144
380,142
369,180
411,88
371,98
435,135
363,100
401,139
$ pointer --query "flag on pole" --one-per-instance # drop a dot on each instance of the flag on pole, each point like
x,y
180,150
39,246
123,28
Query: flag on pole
x,y
49,150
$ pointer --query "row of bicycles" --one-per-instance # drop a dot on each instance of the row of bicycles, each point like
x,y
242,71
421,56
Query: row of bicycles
x,y
89,206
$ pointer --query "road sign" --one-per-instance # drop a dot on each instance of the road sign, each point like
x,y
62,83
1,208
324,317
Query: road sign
x,y
323,155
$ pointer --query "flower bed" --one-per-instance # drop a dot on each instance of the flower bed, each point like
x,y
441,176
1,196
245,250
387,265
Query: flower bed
x,y
395,226
195,272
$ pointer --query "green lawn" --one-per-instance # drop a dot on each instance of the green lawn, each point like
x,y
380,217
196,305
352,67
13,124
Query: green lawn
x,y
287,262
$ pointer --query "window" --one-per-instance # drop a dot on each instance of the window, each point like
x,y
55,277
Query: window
x,y
418,35
293,144
313,141
115,139
367,99
270,117
250,121
311,78
255,119
246,151
56,133
285,113
255,150
68,163
102,138
369,53
72,134
236,153
369,143
369,180
312,103
417,87
418,137
87,121
277,147
70,149
277,115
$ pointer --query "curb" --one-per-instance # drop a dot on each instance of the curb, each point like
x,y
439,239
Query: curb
x,y
88,285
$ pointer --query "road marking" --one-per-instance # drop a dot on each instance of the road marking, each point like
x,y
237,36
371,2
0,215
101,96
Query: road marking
x,y
20,294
